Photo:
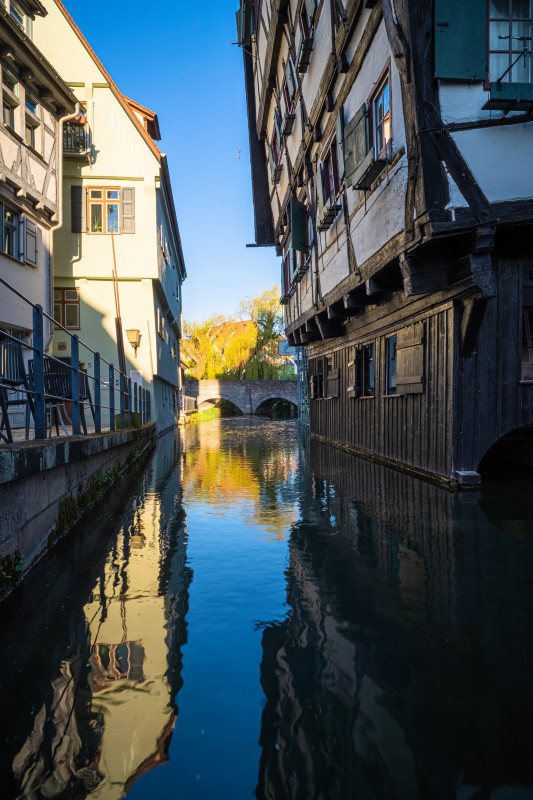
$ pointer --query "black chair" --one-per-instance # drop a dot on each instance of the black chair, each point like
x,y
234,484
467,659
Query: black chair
x,y
12,379
58,392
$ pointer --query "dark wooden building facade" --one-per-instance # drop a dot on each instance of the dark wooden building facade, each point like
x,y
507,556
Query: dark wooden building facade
x,y
391,164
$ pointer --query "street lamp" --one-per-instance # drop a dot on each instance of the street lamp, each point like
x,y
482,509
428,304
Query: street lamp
x,y
134,338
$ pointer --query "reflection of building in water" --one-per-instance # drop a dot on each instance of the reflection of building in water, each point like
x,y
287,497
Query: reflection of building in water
x,y
390,675
259,480
112,710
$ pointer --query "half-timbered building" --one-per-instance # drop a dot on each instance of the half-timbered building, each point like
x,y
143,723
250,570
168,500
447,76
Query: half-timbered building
x,y
35,100
391,162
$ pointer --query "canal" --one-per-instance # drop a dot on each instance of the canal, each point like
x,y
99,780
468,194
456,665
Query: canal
x,y
255,614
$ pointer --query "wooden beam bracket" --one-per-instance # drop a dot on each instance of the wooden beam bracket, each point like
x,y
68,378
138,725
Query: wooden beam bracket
x,y
473,310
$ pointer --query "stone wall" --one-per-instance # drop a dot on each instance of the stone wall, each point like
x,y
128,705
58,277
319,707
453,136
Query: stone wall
x,y
45,486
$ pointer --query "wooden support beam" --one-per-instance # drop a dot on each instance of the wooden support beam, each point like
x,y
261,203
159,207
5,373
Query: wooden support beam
x,y
291,339
421,277
473,311
337,311
373,287
351,305
329,329
312,333
478,268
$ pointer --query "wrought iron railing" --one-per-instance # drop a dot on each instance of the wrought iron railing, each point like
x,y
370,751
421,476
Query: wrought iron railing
x,y
49,383
76,138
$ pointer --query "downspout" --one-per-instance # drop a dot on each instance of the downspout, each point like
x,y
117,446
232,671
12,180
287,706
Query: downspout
x,y
59,223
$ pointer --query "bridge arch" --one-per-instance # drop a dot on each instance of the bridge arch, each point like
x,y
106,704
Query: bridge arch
x,y
274,396
212,401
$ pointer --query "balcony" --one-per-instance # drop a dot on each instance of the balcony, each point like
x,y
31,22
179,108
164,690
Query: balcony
x,y
77,141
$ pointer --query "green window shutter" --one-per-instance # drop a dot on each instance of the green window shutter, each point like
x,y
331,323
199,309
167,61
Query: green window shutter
x,y
238,22
319,191
310,7
128,209
461,39
77,209
340,142
298,215
30,243
410,359
355,142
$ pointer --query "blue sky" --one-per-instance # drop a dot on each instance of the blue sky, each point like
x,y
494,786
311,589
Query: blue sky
x,y
177,59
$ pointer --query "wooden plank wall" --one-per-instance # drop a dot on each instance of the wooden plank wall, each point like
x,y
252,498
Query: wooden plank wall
x,y
489,399
414,429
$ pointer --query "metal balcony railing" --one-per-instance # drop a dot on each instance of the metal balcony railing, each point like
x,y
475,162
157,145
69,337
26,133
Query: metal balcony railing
x,y
46,384
76,139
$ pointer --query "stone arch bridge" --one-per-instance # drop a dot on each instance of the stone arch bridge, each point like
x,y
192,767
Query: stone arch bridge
x,y
248,396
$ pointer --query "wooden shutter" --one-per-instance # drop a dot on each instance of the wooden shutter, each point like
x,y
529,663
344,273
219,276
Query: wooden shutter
x,y
128,209
310,7
30,243
410,359
332,387
298,216
461,39
340,143
77,209
351,366
356,143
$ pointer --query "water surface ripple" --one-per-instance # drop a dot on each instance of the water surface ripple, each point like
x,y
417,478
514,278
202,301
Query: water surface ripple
x,y
254,614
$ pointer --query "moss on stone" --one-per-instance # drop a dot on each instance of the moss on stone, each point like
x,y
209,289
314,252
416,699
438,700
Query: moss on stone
x,y
11,568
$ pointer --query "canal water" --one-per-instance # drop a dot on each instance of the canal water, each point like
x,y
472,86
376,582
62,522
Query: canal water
x,y
254,614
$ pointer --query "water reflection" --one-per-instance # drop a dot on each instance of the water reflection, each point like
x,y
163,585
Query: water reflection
x,y
403,668
101,709
350,632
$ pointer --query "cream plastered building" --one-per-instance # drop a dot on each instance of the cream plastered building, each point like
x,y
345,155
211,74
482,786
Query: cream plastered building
x,y
34,99
118,208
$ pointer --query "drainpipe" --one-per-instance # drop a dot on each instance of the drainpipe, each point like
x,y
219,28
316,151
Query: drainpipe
x,y
59,223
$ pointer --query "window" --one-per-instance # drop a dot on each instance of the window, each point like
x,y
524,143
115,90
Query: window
x,y
17,13
10,100
332,378
366,370
32,104
330,173
67,307
510,28
381,120
316,383
103,210
527,336
10,233
390,365
305,24
289,87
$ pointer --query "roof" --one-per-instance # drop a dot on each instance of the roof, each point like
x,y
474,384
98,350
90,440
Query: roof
x,y
112,85
150,117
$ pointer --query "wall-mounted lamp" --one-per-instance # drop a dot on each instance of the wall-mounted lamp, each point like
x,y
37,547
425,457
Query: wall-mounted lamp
x,y
134,338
